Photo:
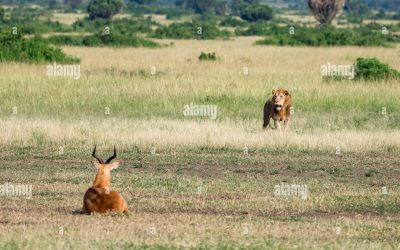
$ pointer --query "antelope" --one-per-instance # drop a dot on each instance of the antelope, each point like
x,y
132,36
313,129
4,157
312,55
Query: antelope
x,y
99,198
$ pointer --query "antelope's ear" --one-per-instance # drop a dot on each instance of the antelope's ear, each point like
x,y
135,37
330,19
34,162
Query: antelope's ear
x,y
96,164
114,165
274,91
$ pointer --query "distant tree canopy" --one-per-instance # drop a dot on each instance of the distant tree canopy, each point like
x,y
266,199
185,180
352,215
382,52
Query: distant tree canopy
x,y
220,7
325,11
356,7
254,13
388,5
104,8
235,6
2,12
251,10
203,6
73,3
143,2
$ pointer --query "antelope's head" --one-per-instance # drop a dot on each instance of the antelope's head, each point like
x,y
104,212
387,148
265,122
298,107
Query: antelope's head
x,y
103,169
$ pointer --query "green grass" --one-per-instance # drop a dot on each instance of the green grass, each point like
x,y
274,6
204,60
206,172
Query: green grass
x,y
102,40
355,108
229,198
209,184
16,48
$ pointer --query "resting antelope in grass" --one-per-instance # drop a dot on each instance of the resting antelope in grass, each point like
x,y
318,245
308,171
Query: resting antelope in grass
x,y
99,198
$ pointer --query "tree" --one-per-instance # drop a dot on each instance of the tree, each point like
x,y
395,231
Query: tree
x,y
325,10
254,13
202,6
2,13
356,7
381,14
104,8
235,6
254,2
73,3
143,2
221,8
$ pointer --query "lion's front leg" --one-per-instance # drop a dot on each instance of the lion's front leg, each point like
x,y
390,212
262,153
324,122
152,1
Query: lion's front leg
x,y
287,122
277,125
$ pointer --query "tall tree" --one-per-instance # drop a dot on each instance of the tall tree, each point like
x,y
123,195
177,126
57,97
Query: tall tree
x,y
325,11
104,8
2,13
203,6
73,3
356,7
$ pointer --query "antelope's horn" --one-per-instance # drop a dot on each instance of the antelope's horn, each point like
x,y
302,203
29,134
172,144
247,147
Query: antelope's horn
x,y
112,157
97,158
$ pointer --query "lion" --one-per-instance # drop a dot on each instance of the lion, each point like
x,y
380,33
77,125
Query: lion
x,y
278,108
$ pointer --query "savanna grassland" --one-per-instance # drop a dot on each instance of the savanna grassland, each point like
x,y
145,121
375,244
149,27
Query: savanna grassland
x,y
193,181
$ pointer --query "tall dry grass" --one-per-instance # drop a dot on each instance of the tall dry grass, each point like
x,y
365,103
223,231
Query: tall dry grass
x,y
147,109
167,134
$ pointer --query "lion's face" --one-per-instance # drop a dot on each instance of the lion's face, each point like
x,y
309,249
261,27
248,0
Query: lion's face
x,y
279,98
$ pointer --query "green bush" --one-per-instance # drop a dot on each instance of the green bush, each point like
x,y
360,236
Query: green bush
x,y
104,8
396,16
369,69
190,30
371,172
254,13
326,36
373,69
232,22
207,56
260,28
2,13
31,21
17,48
172,13
121,25
100,40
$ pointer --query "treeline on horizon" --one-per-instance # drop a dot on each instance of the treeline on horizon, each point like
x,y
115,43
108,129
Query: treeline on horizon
x,y
218,19
362,5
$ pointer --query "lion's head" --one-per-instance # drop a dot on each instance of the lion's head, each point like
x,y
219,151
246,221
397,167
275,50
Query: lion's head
x,y
279,98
